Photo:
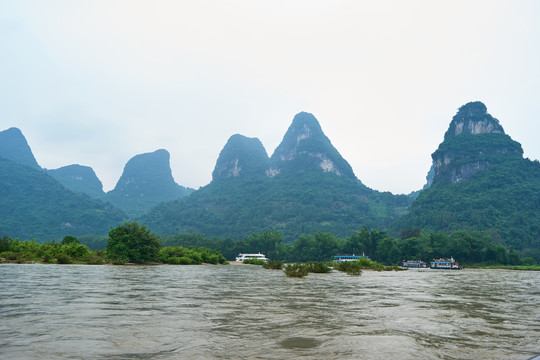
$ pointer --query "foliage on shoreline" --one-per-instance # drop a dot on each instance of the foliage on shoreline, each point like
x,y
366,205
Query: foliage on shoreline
x,y
465,247
364,263
178,255
133,243
127,245
69,251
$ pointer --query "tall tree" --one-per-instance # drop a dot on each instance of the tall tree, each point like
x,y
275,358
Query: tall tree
x,y
131,242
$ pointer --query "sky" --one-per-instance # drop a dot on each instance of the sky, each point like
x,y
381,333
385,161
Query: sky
x,y
97,82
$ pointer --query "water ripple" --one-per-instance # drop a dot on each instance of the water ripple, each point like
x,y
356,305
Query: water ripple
x,y
246,312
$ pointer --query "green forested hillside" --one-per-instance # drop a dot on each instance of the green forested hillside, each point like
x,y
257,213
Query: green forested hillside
x,y
504,200
35,205
79,178
481,183
293,205
146,181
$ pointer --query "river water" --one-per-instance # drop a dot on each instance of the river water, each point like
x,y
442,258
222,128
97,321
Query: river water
x,y
247,312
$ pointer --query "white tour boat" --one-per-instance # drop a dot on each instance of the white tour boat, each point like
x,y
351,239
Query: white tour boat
x,y
241,257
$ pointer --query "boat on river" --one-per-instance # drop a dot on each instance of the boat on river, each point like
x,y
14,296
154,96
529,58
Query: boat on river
x,y
342,258
414,264
445,263
241,257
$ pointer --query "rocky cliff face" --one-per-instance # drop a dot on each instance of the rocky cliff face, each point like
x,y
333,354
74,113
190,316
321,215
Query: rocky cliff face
x,y
241,156
79,178
305,148
146,181
474,141
13,146
473,118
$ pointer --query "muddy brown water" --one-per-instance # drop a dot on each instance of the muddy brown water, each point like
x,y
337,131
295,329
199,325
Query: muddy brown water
x,y
246,312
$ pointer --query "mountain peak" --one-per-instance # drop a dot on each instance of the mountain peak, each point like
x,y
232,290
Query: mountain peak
x,y
304,127
241,155
460,157
306,147
473,118
13,146
146,181
141,169
306,120
79,178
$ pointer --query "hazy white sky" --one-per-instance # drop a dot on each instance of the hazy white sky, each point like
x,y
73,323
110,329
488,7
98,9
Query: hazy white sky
x,y
98,82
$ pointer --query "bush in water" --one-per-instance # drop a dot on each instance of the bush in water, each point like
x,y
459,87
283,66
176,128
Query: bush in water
x,y
273,264
350,267
296,270
318,267
254,261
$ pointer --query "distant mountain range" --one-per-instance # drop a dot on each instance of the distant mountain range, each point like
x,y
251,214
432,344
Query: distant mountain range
x,y
304,187
146,181
46,204
479,181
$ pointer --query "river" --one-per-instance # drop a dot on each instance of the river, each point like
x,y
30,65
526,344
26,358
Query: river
x,y
247,312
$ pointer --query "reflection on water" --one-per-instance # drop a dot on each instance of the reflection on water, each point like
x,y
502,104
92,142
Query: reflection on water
x,y
246,312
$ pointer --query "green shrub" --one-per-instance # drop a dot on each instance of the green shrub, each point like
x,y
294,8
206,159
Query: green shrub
x,y
528,261
131,242
296,270
254,261
93,259
213,259
318,267
64,259
183,260
350,267
49,257
377,266
74,249
10,255
273,264
173,260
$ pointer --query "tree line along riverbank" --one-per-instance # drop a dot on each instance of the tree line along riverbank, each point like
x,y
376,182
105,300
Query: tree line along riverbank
x,y
134,243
